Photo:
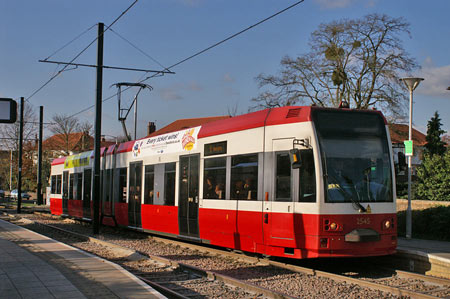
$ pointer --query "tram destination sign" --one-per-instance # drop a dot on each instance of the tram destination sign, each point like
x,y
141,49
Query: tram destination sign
x,y
8,110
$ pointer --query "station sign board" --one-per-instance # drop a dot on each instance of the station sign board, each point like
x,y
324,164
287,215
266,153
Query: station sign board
x,y
8,111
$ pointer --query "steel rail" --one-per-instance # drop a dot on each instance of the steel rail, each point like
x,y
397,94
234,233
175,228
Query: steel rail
x,y
399,291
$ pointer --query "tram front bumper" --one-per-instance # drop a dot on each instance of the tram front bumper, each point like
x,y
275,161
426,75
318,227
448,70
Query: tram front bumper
x,y
360,235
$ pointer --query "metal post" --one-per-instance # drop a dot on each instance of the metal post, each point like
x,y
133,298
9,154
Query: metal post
x,y
39,169
96,192
135,116
19,179
408,211
10,172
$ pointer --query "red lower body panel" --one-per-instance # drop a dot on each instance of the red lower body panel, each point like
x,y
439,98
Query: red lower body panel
x,y
75,208
121,213
160,218
277,234
296,235
56,206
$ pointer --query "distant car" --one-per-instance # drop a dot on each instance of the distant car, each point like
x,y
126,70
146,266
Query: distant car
x,y
14,194
2,194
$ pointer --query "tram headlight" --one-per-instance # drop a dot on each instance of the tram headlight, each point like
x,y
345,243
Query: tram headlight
x,y
388,224
333,226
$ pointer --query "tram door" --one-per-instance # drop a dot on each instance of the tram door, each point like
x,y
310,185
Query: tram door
x,y
87,183
65,194
188,199
134,194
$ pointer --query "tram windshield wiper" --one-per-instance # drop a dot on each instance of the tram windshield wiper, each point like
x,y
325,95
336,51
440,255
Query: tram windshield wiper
x,y
346,194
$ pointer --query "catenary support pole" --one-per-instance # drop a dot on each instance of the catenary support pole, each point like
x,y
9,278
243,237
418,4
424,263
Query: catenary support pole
x,y
408,210
19,177
39,169
96,192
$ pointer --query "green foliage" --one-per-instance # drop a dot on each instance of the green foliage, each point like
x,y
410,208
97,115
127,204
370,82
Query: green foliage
x,y
431,224
435,145
434,178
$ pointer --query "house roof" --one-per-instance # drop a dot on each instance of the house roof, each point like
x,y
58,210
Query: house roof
x,y
181,124
400,133
57,142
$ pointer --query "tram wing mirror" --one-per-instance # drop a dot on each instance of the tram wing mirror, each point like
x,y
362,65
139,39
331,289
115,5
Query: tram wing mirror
x,y
294,155
401,161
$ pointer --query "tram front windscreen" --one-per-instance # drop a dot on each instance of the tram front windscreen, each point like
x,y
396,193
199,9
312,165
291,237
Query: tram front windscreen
x,y
355,156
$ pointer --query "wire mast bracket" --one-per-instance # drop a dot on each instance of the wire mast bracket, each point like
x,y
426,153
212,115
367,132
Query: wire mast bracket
x,y
123,112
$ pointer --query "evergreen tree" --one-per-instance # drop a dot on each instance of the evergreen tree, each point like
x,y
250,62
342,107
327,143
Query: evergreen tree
x,y
433,179
435,145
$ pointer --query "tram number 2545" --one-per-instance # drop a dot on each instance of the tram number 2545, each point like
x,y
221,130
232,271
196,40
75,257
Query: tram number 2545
x,y
362,220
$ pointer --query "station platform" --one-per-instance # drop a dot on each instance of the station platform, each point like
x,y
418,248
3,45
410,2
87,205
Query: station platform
x,y
425,256
34,266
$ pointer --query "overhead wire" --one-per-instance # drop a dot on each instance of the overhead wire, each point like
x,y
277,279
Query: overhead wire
x,y
79,54
142,52
77,37
196,54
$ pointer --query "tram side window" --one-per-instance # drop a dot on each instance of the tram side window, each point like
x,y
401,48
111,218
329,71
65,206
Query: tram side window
x,y
149,180
53,183
122,194
244,177
78,185
215,173
56,184
65,185
70,196
307,177
283,178
169,184
106,174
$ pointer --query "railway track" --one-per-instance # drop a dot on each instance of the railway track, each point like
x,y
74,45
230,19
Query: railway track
x,y
180,280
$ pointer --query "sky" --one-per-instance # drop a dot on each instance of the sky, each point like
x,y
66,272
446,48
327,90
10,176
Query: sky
x,y
162,33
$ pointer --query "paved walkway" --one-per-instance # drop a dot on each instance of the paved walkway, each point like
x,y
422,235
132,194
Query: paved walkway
x,y
434,253
34,266
426,248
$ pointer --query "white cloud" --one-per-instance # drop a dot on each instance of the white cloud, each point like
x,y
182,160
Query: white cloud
x,y
194,86
437,79
170,94
178,90
331,4
227,78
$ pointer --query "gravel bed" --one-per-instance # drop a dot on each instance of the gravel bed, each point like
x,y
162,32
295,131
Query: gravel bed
x,y
285,281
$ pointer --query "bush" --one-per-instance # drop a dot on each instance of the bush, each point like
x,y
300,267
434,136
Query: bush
x,y
431,224
434,178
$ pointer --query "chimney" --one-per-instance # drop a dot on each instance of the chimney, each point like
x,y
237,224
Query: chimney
x,y
151,128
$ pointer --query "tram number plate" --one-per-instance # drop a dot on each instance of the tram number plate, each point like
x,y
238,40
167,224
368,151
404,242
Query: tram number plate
x,y
362,221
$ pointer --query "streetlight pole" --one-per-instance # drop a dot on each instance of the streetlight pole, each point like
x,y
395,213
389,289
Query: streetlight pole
x,y
411,83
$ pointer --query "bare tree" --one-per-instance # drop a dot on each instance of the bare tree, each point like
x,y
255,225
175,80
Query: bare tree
x,y
64,127
10,132
9,141
357,61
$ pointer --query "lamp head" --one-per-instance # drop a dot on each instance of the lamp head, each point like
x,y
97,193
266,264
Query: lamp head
x,y
411,82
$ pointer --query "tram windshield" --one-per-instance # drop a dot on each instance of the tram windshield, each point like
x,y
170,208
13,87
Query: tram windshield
x,y
355,156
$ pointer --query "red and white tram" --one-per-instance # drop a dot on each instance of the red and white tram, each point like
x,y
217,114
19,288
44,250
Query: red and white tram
x,y
298,182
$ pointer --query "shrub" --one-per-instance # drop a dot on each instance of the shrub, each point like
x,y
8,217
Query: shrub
x,y
431,224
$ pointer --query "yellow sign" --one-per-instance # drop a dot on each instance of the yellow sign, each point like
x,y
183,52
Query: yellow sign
x,y
79,160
